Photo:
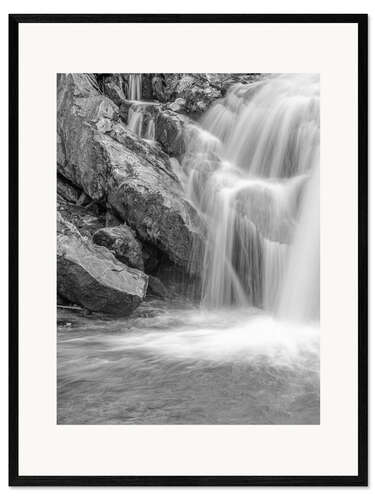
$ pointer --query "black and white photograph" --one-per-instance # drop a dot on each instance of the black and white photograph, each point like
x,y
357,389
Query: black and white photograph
x,y
188,290
188,248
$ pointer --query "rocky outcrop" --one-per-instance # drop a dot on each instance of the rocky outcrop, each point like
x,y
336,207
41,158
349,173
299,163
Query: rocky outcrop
x,y
114,87
169,125
156,288
169,131
90,275
123,244
192,93
97,153
67,190
87,219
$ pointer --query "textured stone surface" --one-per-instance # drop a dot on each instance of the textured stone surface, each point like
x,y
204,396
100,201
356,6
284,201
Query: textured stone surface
x,y
195,92
87,220
113,87
123,243
169,125
169,131
156,288
67,190
89,275
97,153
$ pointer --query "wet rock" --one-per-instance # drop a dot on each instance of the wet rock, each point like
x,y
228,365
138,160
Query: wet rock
x,y
111,219
115,168
113,87
67,190
169,125
169,131
124,110
178,106
87,220
151,257
199,97
123,244
192,93
159,88
156,288
90,275
146,86
178,281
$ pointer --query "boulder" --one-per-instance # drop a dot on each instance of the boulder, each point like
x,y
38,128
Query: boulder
x,y
193,93
158,88
113,87
156,288
151,257
199,95
67,190
90,275
111,219
123,244
98,154
169,125
169,131
146,86
124,110
178,106
87,220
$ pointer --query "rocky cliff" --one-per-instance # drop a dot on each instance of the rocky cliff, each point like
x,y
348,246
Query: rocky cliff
x,y
123,219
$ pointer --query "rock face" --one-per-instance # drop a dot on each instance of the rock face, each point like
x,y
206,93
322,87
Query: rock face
x,y
169,125
113,87
156,288
67,190
193,93
89,275
169,128
122,242
121,165
98,154
87,220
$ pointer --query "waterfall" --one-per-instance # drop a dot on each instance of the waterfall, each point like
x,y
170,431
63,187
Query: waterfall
x,y
135,121
141,120
299,296
253,175
150,130
135,87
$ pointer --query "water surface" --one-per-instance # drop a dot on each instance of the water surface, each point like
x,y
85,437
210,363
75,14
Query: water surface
x,y
184,365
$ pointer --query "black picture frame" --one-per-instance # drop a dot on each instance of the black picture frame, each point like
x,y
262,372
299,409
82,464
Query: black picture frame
x,y
15,479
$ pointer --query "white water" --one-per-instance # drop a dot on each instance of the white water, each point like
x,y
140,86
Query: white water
x,y
252,171
188,366
135,87
135,121
141,120
225,336
253,174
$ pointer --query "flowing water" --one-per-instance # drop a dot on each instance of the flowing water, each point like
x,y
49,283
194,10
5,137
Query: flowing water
x,y
249,352
141,120
253,174
181,365
135,87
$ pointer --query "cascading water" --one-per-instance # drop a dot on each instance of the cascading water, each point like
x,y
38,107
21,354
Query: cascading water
x,y
135,87
135,121
141,120
251,169
253,174
150,130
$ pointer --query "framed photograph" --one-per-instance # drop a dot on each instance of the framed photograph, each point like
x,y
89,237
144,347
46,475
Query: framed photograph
x,y
188,250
